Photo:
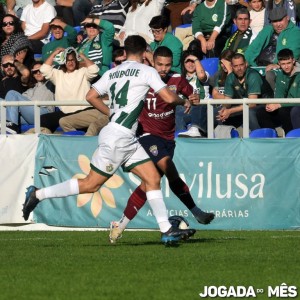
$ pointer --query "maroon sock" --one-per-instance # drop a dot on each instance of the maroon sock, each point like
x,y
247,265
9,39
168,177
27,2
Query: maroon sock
x,y
135,203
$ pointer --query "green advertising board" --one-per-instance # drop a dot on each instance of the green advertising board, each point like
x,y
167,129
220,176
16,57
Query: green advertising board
x,y
248,183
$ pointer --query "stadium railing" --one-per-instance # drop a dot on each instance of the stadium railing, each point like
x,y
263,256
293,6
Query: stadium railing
x,y
209,102
36,105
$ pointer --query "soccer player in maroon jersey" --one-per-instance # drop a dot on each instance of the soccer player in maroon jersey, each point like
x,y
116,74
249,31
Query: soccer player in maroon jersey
x,y
156,135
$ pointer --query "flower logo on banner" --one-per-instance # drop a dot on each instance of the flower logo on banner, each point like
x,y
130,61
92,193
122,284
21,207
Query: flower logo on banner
x,y
103,194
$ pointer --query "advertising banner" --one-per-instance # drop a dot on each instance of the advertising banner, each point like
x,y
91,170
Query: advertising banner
x,y
247,183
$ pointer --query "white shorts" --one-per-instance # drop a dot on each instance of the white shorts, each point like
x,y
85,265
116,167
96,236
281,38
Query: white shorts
x,y
117,146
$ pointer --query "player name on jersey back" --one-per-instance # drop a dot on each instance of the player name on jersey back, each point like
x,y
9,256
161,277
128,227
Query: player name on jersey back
x,y
126,73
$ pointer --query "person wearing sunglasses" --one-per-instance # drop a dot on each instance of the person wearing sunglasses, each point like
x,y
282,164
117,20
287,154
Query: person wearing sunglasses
x,y
39,90
13,41
15,77
97,45
119,56
58,27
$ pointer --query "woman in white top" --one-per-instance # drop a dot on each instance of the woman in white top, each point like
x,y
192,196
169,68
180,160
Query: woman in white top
x,y
257,15
138,17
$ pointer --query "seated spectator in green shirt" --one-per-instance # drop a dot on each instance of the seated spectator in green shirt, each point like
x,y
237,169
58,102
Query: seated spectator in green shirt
x,y
159,27
58,28
243,36
242,82
211,26
287,86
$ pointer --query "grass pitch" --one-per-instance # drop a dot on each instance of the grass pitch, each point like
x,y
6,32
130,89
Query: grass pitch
x,y
83,265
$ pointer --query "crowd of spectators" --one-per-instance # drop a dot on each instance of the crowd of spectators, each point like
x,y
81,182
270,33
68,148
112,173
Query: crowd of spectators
x,y
57,49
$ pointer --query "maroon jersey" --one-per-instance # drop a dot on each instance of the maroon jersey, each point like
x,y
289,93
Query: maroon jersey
x,y
157,116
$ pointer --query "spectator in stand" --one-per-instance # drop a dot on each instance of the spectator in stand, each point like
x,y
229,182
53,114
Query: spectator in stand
x,y
82,8
242,38
257,15
91,120
98,46
211,26
114,11
39,90
287,86
196,76
15,7
138,18
58,27
13,41
288,5
35,23
264,49
71,83
242,82
159,28
217,81
64,10
119,56
185,34
15,77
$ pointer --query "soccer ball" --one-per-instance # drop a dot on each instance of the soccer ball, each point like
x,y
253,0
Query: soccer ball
x,y
179,222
